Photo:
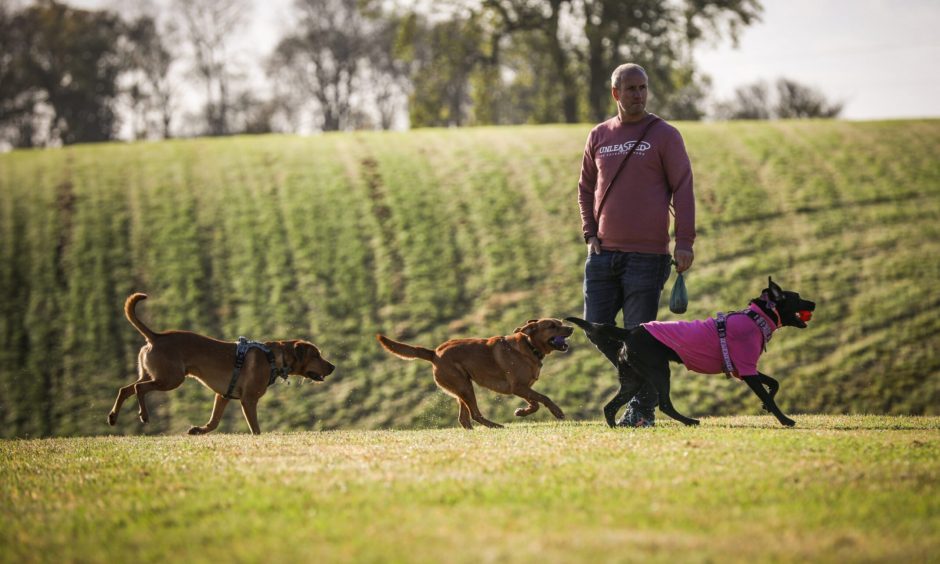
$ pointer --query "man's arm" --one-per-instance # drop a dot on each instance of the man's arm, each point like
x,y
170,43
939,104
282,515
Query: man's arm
x,y
586,187
678,169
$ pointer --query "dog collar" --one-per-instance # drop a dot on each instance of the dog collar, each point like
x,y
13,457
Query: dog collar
x,y
282,372
772,306
538,354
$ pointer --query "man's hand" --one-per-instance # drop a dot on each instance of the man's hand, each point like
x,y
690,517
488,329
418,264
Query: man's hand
x,y
683,260
594,245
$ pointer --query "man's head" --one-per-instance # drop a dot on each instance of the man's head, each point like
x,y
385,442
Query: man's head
x,y
628,86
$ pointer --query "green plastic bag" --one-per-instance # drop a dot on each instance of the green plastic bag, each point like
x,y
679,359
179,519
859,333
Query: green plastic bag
x,y
679,300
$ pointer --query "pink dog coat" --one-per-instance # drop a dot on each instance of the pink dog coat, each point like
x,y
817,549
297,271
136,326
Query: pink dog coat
x,y
696,342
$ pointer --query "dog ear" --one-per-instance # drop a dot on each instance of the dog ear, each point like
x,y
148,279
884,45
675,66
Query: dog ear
x,y
299,352
527,328
775,291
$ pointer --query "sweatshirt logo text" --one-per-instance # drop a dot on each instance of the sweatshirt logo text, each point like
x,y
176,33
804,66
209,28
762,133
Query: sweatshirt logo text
x,y
623,148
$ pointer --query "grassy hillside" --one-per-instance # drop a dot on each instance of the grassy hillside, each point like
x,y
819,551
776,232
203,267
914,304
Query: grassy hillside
x,y
433,234
837,489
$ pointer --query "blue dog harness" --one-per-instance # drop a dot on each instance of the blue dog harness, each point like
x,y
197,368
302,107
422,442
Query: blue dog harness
x,y
241,351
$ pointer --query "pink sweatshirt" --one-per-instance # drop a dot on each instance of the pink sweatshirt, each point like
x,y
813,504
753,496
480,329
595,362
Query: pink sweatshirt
x,y
635,217
696,342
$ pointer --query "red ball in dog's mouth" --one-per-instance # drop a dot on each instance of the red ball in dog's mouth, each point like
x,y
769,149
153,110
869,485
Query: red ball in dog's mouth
x,y
804,315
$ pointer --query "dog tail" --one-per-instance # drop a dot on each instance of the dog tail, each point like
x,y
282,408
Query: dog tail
x,y
580,323
601,331
407,352
129,306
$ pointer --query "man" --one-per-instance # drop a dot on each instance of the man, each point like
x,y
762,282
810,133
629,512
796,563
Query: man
x,y
625,217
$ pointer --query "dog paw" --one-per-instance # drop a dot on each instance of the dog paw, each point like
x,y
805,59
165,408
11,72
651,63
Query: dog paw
x,y
787,422
143,417
610,416
112,419
693,422
196,431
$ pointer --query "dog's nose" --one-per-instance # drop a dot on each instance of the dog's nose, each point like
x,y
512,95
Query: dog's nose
x,y
330,369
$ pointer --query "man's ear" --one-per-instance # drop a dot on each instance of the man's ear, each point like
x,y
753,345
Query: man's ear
x,y
776,292
527,328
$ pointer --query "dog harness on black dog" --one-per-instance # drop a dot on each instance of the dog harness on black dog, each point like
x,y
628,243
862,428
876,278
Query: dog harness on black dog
x,y
241,351
721,326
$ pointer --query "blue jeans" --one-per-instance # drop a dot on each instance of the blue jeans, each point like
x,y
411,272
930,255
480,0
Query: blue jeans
x,y
630,283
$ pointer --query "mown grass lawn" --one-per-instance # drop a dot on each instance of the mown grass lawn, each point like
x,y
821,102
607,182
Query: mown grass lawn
x,y
841,488
435,234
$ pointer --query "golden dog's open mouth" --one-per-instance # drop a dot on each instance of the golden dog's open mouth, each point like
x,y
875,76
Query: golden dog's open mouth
x,y
559,343
314,376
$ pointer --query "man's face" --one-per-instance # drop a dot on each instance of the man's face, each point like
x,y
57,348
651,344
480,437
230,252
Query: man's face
x,y
631,96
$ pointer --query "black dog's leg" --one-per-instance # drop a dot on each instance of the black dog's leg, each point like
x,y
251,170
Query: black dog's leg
x,y
660,380
629,385
756,383
609,339
651,359
772,387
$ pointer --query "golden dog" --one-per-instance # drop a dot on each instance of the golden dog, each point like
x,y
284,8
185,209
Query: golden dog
x,y
168,357
508,365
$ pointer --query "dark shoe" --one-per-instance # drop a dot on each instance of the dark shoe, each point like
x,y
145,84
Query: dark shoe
x,y
628,419
632,418
644,422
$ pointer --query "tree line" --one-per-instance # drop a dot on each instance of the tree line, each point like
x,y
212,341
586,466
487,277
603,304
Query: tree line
x,y
69,75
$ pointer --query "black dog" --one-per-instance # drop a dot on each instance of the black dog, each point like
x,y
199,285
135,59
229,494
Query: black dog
x,y
645,351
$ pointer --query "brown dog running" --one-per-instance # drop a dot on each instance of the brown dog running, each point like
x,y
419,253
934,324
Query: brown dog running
x,y
508,365
168,357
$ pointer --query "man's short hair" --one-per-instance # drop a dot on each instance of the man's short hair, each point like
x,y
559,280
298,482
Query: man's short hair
x,y
622,70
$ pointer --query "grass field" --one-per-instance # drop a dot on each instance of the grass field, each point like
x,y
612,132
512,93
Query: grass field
x,y
736,489
433,234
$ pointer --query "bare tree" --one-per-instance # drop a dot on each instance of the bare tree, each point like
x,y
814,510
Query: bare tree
x,y
789,99
751,101
253,115
795,100
340,58
209,25
385,74
150,90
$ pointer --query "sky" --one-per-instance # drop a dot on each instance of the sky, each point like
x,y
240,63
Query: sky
x,y
881,58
